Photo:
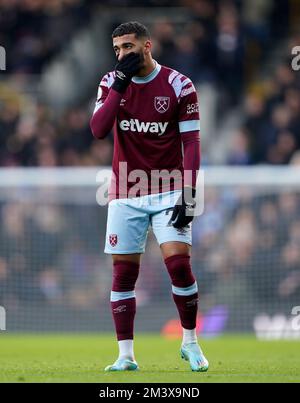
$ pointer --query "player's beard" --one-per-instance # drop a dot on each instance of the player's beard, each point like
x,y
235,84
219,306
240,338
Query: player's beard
x,y
142,62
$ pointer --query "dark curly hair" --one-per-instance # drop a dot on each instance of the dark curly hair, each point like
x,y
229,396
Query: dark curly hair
x,y
132,27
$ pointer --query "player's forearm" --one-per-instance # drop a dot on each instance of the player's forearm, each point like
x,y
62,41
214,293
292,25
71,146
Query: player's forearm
x,y
103,119
192,157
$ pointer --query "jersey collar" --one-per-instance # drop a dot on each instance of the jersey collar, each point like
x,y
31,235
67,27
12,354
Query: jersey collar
x,y
149,77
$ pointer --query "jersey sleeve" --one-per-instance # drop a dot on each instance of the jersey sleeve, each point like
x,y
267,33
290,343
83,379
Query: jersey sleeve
x,y
103,90
106,108
188,117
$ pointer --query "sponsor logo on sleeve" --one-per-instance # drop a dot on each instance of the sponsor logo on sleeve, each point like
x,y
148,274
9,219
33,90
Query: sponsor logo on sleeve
x,y
192,108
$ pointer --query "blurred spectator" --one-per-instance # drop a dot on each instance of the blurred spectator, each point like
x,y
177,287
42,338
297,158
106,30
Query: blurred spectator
x,y
164,33
239,149
289,286
50,285
230,54
184,58
16,255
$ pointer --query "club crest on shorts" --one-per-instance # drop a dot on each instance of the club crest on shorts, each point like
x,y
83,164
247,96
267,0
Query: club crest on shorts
x,y
161,104
113,239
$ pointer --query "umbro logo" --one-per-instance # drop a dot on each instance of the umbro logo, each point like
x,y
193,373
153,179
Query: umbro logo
x,y
120,309
120,75
192,302
183,230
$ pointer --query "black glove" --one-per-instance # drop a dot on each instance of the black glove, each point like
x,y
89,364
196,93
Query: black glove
x,y
183,211
125,69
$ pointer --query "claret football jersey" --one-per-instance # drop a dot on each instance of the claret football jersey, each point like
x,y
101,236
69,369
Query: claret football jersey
x,y
155,112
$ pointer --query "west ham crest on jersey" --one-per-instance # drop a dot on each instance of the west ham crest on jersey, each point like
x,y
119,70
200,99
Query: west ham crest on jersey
x,y
162,104
113,239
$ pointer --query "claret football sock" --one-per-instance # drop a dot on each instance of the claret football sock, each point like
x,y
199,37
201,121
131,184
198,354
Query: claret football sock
x,y
123,312
187,306
122,297
123,305
184,289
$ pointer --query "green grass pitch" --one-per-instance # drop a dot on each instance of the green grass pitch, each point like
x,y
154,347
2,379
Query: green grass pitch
x,y
81,358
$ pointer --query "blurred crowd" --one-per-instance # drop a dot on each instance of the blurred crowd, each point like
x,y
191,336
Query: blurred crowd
x,y
248,248
222,42
246,251
270,132
41,139
36,30
49,253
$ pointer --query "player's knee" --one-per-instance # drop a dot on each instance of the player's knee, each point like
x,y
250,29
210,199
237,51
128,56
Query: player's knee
x,y
180,271
125,275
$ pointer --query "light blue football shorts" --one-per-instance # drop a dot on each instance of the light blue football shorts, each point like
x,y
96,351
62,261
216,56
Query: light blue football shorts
x,y
129,220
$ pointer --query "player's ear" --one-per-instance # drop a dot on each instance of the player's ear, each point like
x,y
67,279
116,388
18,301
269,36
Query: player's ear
x,y
147,46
